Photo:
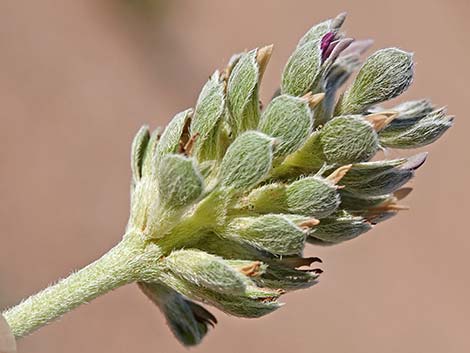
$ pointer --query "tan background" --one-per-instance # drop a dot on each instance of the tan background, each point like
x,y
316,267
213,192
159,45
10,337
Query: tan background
x,y
77,79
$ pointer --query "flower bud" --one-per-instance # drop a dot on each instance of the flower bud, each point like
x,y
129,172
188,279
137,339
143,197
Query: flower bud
x,y
275,234
312,196
171,137
242,94
339,228
209,282
288,119
413,109
247,161
361,171
348,139
279,276
179,181
187,320
207,118
343,140
302,70
378,182
386,74
408,114
418,132
139,144
204,270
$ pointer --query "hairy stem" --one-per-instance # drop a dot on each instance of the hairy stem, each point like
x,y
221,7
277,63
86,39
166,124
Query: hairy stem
x,y
121,265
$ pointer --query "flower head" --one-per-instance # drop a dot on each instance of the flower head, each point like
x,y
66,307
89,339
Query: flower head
x,y
230,193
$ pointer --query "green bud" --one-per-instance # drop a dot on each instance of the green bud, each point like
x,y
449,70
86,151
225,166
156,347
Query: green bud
x,y
242,94
204,270
385,75
288,119
251,302
339,228
179,181
417,132
187,320
302,70
139,144
312,196
273,233
207,118
171,138
343,140
247,161
348,139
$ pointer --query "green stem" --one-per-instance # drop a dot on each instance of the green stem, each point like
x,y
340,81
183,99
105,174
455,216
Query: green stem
x,y
121,265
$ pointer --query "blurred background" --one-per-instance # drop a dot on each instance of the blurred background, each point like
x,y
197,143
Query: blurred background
x,y
78,78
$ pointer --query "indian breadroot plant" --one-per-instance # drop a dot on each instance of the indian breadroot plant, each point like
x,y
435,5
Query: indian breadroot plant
x,y
224,199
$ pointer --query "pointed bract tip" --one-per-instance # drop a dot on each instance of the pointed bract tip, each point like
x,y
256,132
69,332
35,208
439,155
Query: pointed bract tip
x,y
263,56
251,270
381,120
309,223
313,99
339,174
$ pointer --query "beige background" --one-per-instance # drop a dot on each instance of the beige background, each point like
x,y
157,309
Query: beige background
x,y
77,79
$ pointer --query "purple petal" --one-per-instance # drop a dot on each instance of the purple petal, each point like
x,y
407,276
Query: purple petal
x,y
326,40
338,48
